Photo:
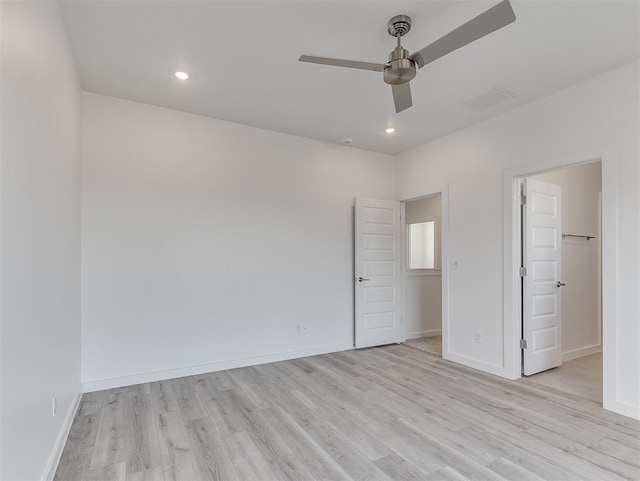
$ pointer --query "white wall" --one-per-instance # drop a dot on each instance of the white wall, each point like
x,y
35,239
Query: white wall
x,y
597,112
206,243
40,238
422,314
581,186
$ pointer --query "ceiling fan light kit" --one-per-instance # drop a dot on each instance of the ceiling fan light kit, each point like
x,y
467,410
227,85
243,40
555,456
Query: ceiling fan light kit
x,y
403,66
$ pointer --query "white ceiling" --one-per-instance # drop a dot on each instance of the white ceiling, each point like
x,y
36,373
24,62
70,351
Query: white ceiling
x,y
242,58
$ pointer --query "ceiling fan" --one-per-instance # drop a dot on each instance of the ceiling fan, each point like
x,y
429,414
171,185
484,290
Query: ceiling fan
x,y
402,66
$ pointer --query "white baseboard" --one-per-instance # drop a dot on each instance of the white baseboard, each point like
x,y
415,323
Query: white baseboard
x,y
626,409
581,352
417,334
140,378
483,366
54,459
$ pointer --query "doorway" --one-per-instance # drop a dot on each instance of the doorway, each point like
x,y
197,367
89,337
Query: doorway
x,y
561,279
422,263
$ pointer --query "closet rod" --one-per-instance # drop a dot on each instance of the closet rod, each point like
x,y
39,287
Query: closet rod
x,y
576,235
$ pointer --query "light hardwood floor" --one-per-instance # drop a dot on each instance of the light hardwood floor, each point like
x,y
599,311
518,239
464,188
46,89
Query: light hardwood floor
x,y
582,376
376,414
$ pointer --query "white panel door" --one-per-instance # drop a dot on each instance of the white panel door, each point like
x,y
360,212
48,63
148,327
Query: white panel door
x,y
542,286
377,272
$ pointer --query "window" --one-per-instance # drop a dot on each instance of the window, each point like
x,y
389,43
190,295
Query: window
x,y
422,245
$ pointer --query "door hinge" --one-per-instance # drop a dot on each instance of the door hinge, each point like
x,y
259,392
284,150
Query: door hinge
x,y
523,271
523,343
523,199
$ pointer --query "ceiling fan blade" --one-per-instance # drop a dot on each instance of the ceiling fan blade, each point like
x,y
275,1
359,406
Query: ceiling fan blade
x,y
401,97
487,22
376,67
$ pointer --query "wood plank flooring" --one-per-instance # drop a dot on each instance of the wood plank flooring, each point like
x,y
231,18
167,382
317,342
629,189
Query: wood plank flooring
x,y
582,376
389,413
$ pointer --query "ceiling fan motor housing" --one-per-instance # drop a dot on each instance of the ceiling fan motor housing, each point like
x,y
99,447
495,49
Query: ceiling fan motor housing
x,y
401,68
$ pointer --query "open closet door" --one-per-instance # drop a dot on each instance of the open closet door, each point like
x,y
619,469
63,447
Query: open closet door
x,y
377,272
541,245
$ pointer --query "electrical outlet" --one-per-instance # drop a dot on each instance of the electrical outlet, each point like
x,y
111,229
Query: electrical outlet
x,y
301,329
54,406
455,265
478,337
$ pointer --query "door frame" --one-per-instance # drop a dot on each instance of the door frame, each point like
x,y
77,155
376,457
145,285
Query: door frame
x,y
511,261
444,261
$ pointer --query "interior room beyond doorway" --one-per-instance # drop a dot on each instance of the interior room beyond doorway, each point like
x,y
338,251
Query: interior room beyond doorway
x,y
422,313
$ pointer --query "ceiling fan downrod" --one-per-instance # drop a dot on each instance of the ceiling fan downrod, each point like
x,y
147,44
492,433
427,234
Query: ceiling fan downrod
x,y
401,68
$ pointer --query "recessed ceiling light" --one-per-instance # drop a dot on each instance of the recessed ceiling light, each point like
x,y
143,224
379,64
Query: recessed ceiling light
x,y
182,75
390,130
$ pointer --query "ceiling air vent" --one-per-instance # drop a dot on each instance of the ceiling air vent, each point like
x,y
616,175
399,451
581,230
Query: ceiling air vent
x,y
490,98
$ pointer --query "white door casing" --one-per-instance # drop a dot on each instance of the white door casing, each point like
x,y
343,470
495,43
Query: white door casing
x,y
542,282
377,273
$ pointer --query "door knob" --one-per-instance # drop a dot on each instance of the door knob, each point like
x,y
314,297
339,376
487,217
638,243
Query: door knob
x,y
362,279
560,284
